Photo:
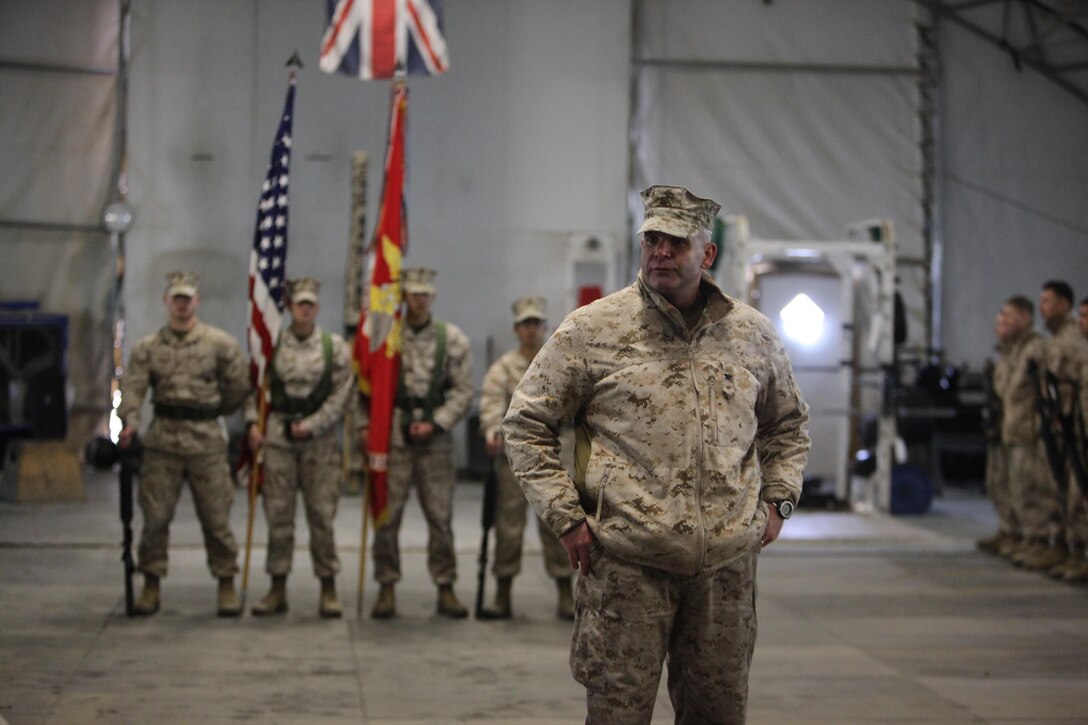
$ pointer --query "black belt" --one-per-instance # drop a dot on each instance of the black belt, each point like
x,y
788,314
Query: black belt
x,y
298,408
185,412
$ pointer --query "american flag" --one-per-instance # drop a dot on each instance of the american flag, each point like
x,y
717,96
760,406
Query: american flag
x,y
267,260
374,38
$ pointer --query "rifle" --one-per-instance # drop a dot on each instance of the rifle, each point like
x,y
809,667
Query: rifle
x,y
1080,436
1050,424
487,521
992,412
130,460
1074,451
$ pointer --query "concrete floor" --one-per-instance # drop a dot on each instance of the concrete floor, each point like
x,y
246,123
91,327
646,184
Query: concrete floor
x,y
863,618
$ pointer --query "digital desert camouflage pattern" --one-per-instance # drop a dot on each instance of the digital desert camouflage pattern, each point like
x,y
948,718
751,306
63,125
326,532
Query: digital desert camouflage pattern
x,y
182,283
675,210
1035,497
204,369
630,616
1000,489
498,387
1017,498
500,381
1065,351
688,432
300,364
1077,504
310,466
427,466
1015,388
416,365
161,477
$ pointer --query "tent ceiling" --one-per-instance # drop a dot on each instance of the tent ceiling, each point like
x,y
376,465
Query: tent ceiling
x,y
1049,36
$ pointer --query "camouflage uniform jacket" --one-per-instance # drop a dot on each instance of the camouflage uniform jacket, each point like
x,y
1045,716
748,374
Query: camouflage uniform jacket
x,y
300,365
205,369
498,388
1064,352
1016,389
417,361
686,431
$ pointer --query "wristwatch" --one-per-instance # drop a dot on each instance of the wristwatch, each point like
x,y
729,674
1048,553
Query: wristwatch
x,y
784,507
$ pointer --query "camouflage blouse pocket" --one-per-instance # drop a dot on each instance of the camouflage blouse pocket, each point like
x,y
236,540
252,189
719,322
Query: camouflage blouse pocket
x,y
734,406
597,480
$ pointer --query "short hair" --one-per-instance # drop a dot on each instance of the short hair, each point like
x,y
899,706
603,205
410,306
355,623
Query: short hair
x,y
1062,289
1084,302
1021,303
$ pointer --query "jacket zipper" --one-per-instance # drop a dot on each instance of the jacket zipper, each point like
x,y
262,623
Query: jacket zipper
x,y
701,528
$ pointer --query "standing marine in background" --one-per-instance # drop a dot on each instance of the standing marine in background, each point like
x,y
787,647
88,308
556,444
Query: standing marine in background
x,y
1082,317
1017,481
310,383
1064,354
196,373
433,393
530,327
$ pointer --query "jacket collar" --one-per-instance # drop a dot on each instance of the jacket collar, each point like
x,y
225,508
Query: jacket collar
x,y
192,336
718,304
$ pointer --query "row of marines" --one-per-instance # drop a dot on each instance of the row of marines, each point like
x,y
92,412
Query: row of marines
x,y
690,442
1039,391
196,373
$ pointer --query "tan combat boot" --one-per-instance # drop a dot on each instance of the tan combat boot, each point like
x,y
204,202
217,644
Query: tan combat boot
x,y
275,602
1051,556
448,604
1071,562
330,605
386,606
1077,574
502,609
565,610
148,603
990,544
1031,548
1010,547
227,602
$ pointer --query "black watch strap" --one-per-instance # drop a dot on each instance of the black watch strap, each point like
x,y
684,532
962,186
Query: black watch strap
x,y
784,507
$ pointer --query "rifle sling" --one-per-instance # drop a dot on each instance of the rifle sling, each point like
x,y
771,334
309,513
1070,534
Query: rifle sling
x,y
299,408
436,396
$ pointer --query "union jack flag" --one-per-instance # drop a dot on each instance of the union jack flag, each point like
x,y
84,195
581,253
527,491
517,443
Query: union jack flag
x,y
374,38
268,258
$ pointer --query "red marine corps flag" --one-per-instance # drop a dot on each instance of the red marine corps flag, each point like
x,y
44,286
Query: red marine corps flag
x,y
373,39
377,338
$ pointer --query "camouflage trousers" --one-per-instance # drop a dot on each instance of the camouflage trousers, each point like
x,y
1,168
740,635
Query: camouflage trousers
x,y
629,618
1076,515
161,478
312,467
998,488
510,510
429,468
1036,498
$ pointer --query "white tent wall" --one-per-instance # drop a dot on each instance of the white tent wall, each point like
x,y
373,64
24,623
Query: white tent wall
x,y
800,115
56,141
1015,189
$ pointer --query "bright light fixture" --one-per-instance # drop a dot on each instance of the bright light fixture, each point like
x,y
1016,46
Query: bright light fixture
x,y
802,320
